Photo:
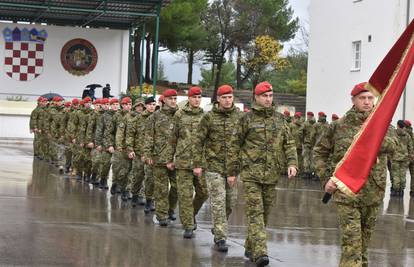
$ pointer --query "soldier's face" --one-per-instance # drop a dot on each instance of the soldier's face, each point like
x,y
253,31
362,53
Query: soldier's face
x,y
171,101
309,117
194,101
115,106
265,99
127,106
151,107
139,108
97,107
225,101
87,105
364,101
106,106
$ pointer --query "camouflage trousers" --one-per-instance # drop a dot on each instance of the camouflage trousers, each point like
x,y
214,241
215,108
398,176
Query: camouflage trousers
x,y
411,168
83,161
356,225
222,201
36,144
105,164
53,150
68,156
300,160
137,175
259,200
149,182
44,145
96,161
165,191
307,160
190,204
121,166
399,173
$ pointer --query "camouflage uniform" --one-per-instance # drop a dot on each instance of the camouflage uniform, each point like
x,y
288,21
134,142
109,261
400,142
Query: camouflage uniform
x,y
297,130
94,117
66,140
72,129
121,164
83,157
409,130
213,141
149,177
57,130
357,216
186,122
105,137
159,129
33,125
307,148
400,160
264,135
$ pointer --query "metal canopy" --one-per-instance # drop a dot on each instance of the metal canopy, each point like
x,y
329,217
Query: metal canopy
x,y
115,14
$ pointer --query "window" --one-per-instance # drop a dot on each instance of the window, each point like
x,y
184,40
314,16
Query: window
x,y
356,56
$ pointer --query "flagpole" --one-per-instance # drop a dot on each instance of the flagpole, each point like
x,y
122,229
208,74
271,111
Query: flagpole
x,y
407,21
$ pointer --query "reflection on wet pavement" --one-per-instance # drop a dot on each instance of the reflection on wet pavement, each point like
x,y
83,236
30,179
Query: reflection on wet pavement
x,y
51,220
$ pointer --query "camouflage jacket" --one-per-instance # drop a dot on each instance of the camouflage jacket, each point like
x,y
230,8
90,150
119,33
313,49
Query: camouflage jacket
x,y
264,136
94,116
186,122
317,131
84,115
307,130
136,133
297,129
120,136
73,124
332,148
100,126
157,135
111,124
409,130
42,120
34,116
404,149
57,128
214,139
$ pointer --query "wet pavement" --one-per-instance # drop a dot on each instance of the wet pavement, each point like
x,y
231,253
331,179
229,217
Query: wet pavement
x,y
49,219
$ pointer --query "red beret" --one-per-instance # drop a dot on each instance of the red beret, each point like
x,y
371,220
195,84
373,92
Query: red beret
x,y
113,100
169,92
298,114
224,89
104,101
310,113
263,87
126,100
194,91
40,99
75,101
359,88
57,99
161,98
408,123
334,116
68,104
286,112
81,102
87,100
321,114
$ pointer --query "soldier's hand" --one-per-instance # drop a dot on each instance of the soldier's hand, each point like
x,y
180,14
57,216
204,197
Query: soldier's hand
x,y
131,155
99,148
40,131
330,186
170,166
35,130
198,172
291,172
232,181
73,141
150,162
90,145
111,149
143,159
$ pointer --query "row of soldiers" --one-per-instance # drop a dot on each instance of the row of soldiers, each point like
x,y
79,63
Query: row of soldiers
x,y
308,133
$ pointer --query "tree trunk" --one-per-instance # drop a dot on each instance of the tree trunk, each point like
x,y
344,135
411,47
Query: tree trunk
x,y
148,58
190,66
213,69
218,78
238,68
153,62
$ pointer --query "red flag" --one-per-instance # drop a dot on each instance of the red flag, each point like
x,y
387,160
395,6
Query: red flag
x,y
387,82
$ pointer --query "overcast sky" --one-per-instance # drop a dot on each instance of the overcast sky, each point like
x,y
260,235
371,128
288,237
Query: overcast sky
x,y
177,72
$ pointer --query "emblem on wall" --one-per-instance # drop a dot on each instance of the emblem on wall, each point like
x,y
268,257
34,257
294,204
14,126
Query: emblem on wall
x,y
23,55
79,57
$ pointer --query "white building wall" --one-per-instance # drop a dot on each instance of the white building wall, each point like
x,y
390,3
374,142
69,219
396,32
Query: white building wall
x,y
112,65
334,25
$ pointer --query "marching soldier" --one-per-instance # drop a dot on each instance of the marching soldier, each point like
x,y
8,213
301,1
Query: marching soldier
x,y
297,129
159,130
186,122
33,125
307,148
213,156
264,136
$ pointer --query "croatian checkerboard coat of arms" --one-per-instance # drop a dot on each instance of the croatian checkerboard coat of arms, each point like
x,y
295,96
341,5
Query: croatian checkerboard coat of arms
x,y
24,53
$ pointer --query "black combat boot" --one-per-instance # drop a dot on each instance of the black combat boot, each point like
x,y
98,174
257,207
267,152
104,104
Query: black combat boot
x,y
93,179
134,201
141,201
188,233
79,176
86,178
147,207
412,193
248,254
124,195
103,184
262,261
163,222
171,215
114,189
221,246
